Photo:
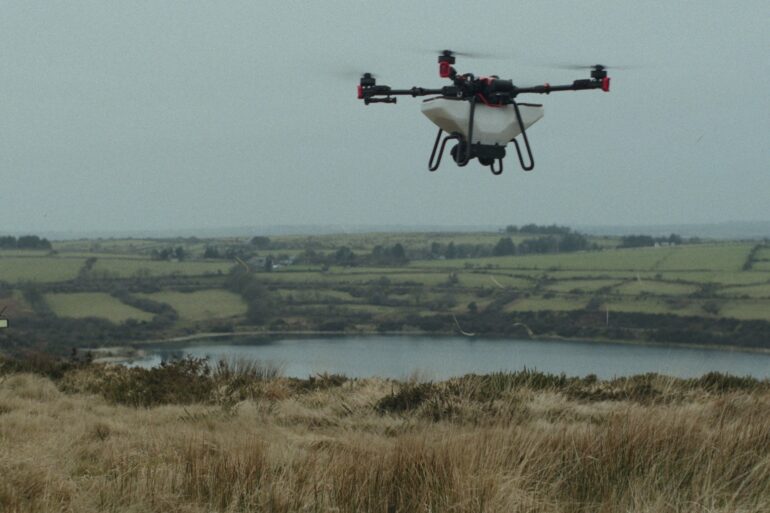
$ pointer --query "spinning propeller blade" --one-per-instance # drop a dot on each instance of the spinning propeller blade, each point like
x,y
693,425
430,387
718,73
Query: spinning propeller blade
x,y
350,73
469,55
591,66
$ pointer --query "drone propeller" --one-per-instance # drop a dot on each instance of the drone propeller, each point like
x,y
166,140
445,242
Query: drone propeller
x,y
470,55
592,66
351,74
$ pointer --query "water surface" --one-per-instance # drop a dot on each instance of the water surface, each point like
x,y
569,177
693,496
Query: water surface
x,y
442,357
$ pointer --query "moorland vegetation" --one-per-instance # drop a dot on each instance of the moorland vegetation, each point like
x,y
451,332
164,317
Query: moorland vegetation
x,y
196,436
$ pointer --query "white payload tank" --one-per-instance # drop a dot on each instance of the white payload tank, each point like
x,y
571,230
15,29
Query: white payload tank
x,y
491,125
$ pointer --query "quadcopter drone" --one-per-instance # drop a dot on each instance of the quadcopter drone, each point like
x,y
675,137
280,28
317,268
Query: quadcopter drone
x,y
480,113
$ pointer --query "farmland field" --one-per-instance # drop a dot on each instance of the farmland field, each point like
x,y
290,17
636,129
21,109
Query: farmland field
x,y
587,285
562,303
658,288
746,309
38,269
94,304
753,291
125,268
201,304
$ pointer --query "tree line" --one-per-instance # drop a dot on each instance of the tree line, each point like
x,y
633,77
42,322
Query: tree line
x,y
641,241
24,242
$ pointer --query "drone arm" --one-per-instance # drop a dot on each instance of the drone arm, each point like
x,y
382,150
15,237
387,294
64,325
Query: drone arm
x,y
577,85
369,94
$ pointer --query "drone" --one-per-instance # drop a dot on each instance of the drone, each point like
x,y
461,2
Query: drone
x,y
481,114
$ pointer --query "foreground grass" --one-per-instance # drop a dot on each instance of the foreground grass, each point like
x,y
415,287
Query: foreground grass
x,y
189,438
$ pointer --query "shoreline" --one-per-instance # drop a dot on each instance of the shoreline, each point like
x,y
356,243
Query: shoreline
x,y
544,338
121,352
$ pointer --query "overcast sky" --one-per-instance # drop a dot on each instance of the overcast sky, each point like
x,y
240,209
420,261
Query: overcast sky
x,y
148,115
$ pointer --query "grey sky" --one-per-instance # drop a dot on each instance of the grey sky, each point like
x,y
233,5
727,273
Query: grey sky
x,y
120,115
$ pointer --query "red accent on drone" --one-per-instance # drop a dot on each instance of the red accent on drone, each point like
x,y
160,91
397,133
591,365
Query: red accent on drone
x,y
444,69
606,84
360,92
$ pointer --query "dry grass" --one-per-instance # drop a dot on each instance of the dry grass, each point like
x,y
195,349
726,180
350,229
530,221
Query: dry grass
x,y
504,442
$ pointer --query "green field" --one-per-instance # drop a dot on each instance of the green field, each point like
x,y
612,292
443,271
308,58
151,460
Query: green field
x,y
746,309
653,306
556,304
128,267
752,291
657,288
94,304
38,269
202,304
587,285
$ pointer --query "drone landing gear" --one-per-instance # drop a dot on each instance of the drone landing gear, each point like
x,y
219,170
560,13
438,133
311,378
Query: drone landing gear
x,y
488,154
432,166
531,165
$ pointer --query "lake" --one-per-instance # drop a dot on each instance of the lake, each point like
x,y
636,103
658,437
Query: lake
x,y
442,357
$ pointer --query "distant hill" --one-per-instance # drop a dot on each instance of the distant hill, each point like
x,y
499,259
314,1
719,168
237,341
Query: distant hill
x,y
727,230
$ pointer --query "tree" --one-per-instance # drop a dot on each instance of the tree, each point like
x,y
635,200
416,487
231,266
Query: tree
x,y
636,241
573,242
344,256
260,242
451,251
398,254
211,252
504,247
259,303
179,253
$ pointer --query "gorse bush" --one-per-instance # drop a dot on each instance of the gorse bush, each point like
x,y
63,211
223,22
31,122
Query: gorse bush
x,y
183,381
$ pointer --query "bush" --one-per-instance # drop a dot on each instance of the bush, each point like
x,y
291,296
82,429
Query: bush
x,y
408,397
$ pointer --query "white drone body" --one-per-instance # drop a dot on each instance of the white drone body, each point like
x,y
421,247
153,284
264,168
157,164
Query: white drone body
x,y
492,125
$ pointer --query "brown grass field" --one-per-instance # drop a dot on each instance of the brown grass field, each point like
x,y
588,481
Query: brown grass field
x,y
242,440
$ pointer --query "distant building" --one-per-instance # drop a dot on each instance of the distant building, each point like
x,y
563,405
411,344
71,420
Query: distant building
x,y
257,261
